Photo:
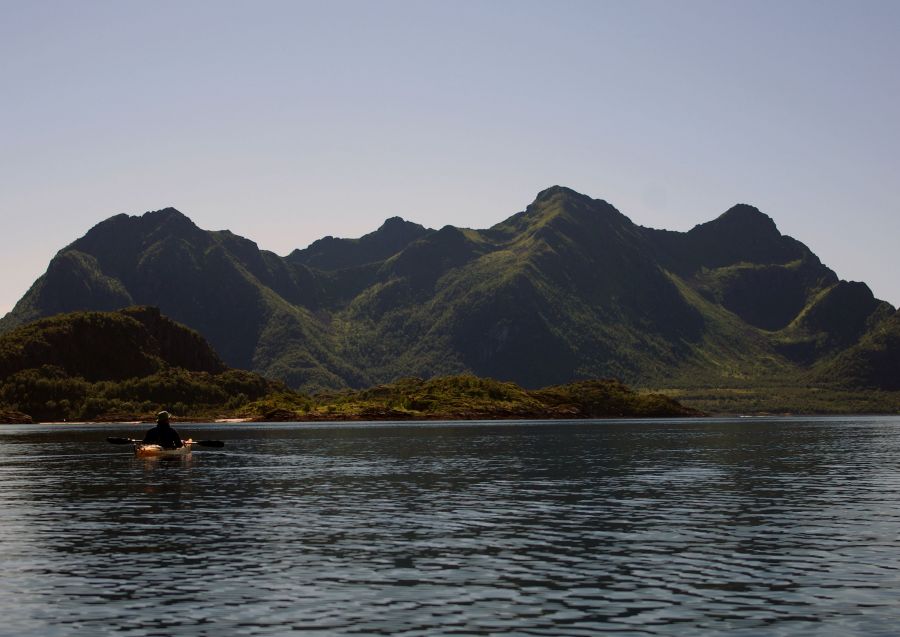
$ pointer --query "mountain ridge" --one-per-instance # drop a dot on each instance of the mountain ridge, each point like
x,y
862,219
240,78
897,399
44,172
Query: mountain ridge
x,y
568,288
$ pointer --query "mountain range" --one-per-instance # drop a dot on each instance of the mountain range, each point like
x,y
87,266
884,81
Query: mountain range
x,y
568,289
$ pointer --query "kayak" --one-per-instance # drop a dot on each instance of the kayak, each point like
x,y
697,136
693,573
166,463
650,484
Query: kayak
x,y
155,451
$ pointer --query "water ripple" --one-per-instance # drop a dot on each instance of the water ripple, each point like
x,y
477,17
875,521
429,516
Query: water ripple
x,y
776,527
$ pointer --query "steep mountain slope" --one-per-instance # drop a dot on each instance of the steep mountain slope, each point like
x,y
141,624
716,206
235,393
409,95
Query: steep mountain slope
x,y
873,362
565,283
217,283
569,288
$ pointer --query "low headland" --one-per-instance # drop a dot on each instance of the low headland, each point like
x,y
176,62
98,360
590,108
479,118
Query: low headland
x,y
470,398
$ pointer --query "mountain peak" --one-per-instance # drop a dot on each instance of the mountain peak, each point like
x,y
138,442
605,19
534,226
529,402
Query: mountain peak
x,y
125,233
394,222
168,211
169,217
572,201
397,227
740,223
554,191
745,217
557,205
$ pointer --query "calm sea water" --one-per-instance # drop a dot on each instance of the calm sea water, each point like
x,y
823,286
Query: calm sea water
x,y
744,526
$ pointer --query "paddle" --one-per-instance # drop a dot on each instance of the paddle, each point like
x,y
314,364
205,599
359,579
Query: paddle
x,y
207,443
131,441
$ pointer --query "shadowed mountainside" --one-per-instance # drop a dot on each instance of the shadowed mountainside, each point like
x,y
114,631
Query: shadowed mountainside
x,y
135,361
137,341
567,289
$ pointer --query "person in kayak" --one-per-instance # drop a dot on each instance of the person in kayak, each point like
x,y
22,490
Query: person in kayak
x,y
162,434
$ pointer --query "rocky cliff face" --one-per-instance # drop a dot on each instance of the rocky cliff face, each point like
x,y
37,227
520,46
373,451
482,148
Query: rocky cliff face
x,y
569,288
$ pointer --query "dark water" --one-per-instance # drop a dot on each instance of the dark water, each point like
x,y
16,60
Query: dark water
x,y
754,526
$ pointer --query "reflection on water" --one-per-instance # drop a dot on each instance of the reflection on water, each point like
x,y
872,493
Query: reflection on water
x,y
745,526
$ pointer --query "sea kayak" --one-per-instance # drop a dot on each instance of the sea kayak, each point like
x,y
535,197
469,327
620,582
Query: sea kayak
x,y
153,451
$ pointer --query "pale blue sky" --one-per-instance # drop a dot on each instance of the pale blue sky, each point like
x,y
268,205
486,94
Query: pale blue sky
x,y
288,121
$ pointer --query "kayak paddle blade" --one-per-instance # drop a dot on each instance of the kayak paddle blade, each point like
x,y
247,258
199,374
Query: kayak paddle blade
x,y
209,443
120,441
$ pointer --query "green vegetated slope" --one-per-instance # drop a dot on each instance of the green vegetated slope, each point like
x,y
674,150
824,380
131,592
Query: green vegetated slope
x,y
567,289
129,363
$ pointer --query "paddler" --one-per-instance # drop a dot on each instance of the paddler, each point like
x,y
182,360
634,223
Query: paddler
x,y
163,434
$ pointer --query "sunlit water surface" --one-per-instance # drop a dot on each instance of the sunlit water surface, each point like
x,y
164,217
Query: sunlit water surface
x,y
744,526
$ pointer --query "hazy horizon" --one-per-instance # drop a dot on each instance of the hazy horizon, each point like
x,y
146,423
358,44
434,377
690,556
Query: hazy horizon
x,y
289,121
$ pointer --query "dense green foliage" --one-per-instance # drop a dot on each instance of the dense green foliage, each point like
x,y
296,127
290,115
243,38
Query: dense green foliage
x,y
48,394
467,397
136,341
568,289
